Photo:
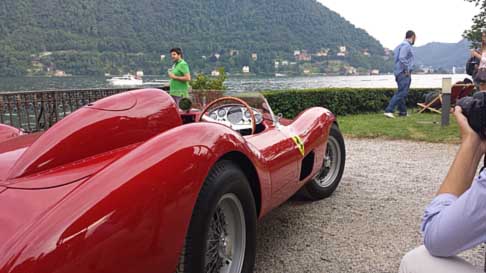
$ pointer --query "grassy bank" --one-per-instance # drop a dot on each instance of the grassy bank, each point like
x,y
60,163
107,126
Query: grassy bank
x,y
416,127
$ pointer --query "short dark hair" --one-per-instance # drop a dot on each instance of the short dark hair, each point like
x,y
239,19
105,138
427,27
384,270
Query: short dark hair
x,y
409,34
177,50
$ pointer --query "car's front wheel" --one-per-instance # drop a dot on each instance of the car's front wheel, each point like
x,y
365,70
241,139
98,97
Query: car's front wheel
x,y
327,179
222,233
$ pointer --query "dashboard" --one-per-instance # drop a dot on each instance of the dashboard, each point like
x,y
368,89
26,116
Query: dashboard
x,y
235,114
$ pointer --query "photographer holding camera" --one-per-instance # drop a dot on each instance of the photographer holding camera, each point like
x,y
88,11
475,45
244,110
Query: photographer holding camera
x,y
456,219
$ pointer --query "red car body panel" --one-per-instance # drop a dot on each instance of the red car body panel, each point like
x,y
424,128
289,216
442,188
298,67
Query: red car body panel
x,y
112,187
8,132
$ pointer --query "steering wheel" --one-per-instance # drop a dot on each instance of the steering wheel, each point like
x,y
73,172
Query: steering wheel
x,y
252,125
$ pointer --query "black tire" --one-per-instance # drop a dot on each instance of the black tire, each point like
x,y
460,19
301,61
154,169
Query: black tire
x,y
314,190
224,179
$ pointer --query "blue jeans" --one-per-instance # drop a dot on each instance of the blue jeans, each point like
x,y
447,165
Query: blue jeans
x,y
400,96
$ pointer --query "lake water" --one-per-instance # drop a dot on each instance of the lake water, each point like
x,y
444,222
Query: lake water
x,y
234,84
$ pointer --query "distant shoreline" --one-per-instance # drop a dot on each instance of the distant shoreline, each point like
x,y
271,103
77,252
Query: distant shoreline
x,y
235,83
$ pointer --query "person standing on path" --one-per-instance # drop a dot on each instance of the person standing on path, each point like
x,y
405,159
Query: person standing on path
x,y
179,75
480,74
404,61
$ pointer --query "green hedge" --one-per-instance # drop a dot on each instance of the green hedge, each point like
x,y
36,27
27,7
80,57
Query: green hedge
x,y
341,101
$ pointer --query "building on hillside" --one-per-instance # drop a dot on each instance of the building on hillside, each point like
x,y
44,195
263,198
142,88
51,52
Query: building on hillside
x,y
296,52
277,64
245,69
254,56
342,51
307,71
366,52
375,72
45,54
234,52
59,73
217,56
215,73
285,63
162,57
303,57
323,52
349,70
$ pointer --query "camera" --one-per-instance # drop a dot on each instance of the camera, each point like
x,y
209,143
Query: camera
x,y
474,108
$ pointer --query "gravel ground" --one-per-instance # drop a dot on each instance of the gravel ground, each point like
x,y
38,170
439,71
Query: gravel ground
x,y
369,223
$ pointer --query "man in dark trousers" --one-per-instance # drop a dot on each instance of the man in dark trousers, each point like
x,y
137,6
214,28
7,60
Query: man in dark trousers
x,y
404,61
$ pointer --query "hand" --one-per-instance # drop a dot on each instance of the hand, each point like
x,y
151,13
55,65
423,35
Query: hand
x,y
467,133
172,76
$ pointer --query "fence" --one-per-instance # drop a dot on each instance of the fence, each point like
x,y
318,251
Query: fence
x,y
35,111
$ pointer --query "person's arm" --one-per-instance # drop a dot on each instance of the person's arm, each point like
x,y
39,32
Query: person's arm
x,y
185,78
475,53
456,218
184,68
404,60
465,165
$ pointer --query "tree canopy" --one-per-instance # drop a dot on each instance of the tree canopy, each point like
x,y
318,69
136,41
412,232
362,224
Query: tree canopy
x,y
111,36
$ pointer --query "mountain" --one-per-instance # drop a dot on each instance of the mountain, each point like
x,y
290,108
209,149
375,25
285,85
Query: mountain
x,y
99,36
443,55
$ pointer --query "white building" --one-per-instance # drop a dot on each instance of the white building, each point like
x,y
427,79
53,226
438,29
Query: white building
x,y
254,56
215,73
296,52
162,57
246,69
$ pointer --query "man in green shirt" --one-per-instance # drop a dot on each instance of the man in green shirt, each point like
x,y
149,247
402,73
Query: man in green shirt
x,y
179,76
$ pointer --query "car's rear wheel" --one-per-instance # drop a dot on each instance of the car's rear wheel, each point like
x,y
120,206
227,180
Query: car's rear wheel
x,y
222,233
327,179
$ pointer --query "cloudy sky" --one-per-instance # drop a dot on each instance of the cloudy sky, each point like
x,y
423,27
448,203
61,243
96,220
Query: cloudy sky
x,y
387,21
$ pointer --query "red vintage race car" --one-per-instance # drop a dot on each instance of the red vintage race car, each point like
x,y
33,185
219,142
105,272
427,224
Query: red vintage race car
x,y
132,184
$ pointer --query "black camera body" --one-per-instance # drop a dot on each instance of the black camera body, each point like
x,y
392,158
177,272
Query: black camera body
x,y
474,108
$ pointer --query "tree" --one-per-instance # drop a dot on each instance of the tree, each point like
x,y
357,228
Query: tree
x,y
479,23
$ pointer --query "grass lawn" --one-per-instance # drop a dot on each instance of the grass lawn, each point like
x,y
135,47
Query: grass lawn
x,y
416,127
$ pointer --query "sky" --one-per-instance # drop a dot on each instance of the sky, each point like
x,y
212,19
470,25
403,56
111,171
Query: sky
x,y
387,21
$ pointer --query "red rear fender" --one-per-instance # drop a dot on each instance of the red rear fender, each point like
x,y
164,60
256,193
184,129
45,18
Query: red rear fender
x,y
108,124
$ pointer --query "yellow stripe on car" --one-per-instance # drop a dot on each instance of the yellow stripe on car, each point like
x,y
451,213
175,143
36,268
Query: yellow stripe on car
x,y
300,144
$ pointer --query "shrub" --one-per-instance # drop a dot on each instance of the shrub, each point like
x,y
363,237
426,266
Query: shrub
x,y
203,82
341,101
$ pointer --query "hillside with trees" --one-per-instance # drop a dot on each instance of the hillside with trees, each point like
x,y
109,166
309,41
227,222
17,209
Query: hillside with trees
x,y
443,56
93,37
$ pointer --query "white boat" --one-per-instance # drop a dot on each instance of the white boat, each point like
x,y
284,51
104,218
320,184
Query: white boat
x,y
157,82
280,75
125,80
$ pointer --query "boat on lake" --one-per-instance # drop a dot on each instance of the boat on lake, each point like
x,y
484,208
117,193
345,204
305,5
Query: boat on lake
x,y
126,80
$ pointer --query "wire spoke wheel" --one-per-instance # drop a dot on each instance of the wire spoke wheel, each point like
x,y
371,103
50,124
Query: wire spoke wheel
x,y
226,242
331,166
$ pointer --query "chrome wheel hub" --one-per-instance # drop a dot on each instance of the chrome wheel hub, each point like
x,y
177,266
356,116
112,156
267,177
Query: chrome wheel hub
x,y
331,165
227,237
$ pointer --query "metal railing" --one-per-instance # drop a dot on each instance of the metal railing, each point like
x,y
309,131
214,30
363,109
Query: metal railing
x,y
35,111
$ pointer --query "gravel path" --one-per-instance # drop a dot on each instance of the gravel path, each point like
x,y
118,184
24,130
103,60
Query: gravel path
x,y
370,222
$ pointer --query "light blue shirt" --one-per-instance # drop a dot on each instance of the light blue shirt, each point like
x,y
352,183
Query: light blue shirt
x,y
404,58
451,224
